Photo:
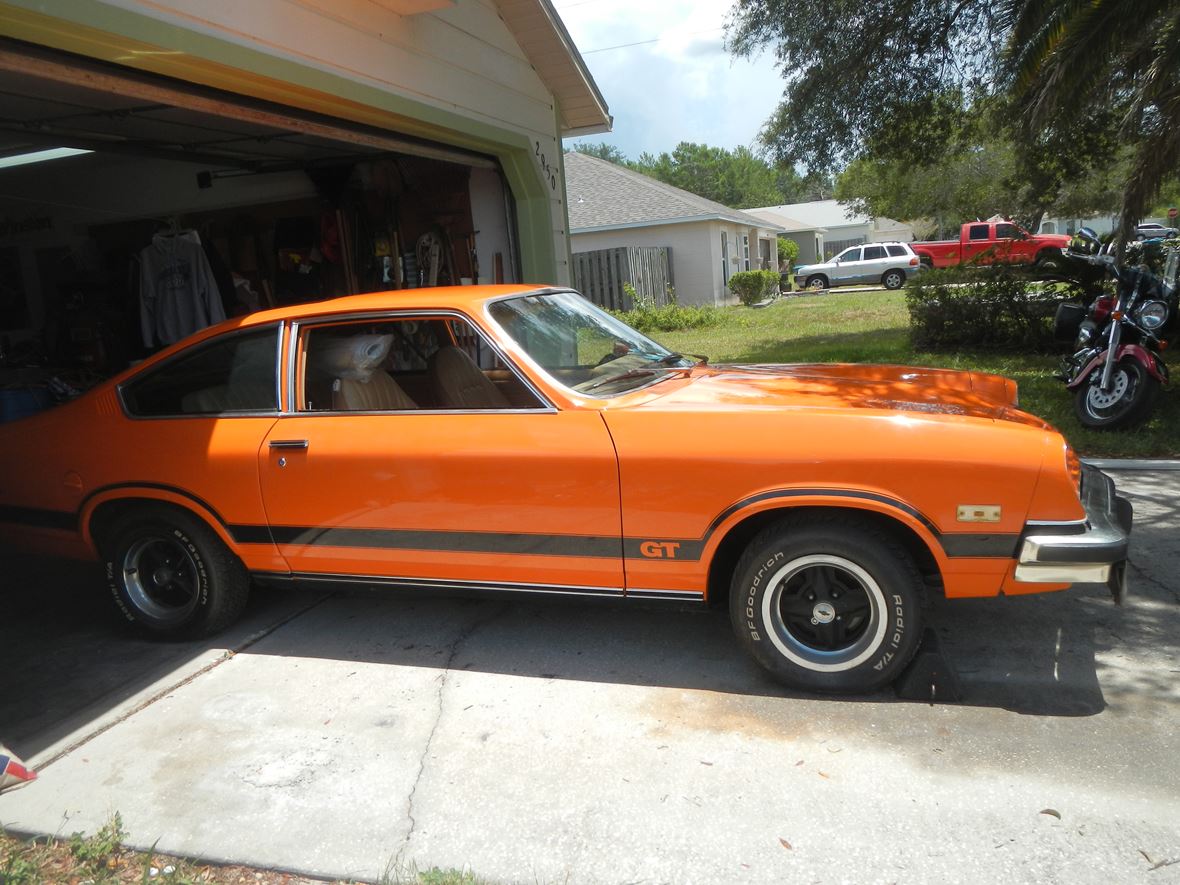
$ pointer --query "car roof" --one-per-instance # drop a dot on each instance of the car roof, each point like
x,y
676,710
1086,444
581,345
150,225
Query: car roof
x,y
466,299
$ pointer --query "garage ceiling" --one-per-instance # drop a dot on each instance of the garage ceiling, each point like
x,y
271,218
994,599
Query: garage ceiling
x,y
50,100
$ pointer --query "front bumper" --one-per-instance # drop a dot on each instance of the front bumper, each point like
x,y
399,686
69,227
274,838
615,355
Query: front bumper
x,y
1093,552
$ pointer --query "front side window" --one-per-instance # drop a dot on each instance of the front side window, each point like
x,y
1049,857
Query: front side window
x,y
405,364
582,347
852,254
233,374
1007,232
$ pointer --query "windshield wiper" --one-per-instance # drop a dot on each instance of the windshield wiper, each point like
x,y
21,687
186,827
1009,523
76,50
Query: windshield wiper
x,y
652,368
669,358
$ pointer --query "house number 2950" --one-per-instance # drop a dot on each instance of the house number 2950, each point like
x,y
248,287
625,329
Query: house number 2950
x,y
550,173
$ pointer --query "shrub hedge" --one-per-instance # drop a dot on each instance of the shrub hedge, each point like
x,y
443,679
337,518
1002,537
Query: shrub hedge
x,y
647,317
993,308
752,286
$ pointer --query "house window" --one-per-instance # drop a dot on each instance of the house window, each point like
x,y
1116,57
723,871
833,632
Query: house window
x,y
745,251
725,257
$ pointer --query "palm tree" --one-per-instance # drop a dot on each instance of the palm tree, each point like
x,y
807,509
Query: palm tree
x,y
1065,57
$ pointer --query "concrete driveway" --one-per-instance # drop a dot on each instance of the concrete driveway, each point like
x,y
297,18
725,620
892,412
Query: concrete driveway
x,y
366,736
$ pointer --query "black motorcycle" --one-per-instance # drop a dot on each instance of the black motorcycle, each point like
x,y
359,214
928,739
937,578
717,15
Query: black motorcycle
x,y
1116,370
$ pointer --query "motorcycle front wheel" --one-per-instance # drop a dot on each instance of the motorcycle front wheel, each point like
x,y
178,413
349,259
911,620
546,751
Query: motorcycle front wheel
x,y
1130,399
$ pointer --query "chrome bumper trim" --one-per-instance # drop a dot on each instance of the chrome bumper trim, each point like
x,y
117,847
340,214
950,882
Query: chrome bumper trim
x,y
1097,555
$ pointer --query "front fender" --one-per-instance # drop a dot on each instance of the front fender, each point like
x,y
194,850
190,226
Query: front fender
x,y
1149,360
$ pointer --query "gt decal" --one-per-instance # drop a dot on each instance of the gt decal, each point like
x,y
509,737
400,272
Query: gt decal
x,y
659,549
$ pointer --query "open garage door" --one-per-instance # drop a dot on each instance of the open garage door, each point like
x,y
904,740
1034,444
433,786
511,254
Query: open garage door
x,y
99,164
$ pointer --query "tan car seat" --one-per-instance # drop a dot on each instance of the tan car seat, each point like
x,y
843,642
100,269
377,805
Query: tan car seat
x,y
379,394
459,383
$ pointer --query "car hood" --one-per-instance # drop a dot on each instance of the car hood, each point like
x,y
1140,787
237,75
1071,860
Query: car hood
x,y
844,386
1053,240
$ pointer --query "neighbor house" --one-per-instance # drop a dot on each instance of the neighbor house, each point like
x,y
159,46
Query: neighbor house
x,y
612,207
825,227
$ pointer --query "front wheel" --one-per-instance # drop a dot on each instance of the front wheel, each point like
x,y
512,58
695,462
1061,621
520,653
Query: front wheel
x,y
171,575
1130,399
827,605
817,283
893,279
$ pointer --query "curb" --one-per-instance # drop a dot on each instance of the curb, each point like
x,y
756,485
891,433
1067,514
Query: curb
x,y
1131,464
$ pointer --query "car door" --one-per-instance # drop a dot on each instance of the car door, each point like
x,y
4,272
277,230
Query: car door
x,y
1008,241
847,269
392,484
874,261
978,242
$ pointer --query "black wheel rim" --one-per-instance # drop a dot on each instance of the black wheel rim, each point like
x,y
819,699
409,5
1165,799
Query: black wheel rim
x,y
825,612
161,578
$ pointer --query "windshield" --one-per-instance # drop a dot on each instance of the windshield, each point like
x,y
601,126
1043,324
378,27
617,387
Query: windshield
x,y
583,347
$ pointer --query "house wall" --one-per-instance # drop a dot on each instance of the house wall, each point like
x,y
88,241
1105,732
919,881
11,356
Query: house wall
x,y
810,245
456,76
696,254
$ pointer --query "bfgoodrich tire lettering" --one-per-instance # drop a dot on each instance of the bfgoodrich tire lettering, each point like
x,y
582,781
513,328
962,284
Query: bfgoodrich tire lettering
x,y
171,575
828,605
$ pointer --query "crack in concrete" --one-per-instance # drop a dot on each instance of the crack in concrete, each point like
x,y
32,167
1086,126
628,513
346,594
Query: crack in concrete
x,y
443,677
1156,583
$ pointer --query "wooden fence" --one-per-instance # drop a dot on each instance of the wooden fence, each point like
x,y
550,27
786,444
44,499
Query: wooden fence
x,y
600,275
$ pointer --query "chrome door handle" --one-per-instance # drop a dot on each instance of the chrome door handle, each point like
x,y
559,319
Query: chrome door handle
x,y
288,444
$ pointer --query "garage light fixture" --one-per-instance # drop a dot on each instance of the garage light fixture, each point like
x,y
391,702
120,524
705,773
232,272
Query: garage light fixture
x,y
40,156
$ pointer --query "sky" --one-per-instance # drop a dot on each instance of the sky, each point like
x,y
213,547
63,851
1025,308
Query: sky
x,y
683,86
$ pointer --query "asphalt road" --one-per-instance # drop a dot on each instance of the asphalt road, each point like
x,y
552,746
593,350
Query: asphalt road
x,y
365,735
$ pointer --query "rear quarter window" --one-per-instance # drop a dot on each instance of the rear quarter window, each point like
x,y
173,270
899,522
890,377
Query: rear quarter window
x,y
235,373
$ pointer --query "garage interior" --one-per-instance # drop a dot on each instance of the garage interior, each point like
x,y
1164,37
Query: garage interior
x,y
100,165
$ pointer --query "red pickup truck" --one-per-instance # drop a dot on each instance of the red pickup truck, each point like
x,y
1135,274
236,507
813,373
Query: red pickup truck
x,y
992,242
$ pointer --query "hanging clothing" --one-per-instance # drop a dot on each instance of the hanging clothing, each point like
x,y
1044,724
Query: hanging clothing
x,y
177,292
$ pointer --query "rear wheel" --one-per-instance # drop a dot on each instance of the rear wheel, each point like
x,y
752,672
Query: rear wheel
x,y
1130,399
171,575
827,605
817,283
893,279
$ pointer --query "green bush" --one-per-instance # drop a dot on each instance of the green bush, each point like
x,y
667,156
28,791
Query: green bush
x,y
788,253
752,286
647,317
991,308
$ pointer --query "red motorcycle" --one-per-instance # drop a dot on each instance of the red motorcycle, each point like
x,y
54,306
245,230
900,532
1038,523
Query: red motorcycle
x,y
1116,371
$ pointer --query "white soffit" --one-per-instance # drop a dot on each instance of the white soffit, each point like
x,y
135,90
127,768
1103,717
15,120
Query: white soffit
x,y
539,30
414,7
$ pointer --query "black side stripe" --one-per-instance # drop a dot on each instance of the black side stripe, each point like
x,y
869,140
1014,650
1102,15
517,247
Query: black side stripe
x,y
956,546
40,518
598,547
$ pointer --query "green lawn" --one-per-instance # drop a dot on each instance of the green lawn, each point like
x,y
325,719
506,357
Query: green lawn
x,y
874,327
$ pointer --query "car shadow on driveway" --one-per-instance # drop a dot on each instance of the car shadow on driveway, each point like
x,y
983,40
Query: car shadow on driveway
x,y
67,663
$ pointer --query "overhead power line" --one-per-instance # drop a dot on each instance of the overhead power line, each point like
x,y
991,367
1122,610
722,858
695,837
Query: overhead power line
x,y
652,40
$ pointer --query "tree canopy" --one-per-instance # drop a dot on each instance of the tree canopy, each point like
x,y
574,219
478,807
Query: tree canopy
x,y
738,178
1038,104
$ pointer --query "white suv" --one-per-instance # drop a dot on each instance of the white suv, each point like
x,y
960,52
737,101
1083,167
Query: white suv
x,y
873,264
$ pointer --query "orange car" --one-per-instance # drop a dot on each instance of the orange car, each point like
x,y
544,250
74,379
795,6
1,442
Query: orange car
x,y
521,439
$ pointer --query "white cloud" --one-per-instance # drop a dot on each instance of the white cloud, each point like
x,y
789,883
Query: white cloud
x,y
682,87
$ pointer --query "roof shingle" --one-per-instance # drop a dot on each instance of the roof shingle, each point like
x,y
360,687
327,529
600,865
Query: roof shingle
x,y
602,196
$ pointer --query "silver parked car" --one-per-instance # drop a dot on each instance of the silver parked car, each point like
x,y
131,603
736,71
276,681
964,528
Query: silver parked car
x,y
873,264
